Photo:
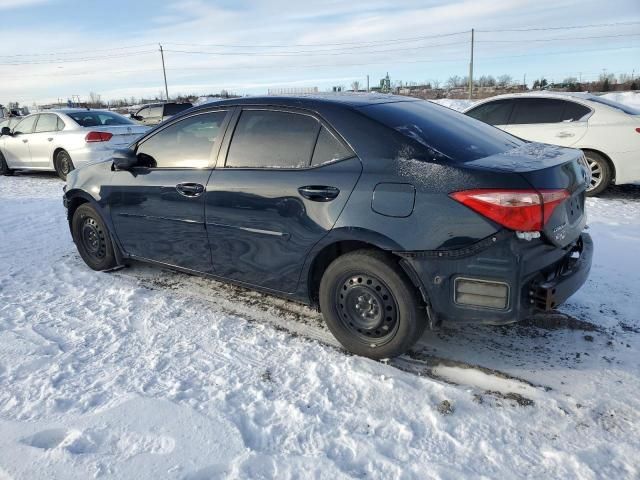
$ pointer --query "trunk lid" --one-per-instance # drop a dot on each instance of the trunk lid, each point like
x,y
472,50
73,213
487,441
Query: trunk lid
x,y
548,167
122,134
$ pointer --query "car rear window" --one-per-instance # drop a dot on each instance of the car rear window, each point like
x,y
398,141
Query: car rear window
x,y
445,133
175,108
98,119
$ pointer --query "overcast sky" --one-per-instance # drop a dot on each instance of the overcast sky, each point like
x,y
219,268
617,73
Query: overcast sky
x,y
52,49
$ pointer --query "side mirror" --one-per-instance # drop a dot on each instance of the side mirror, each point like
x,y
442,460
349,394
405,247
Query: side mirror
x,y
124,159
5,131
133,116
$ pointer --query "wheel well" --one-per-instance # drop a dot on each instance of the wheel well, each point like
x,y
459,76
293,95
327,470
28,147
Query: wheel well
x,y
329,253
55,153
606,157
73,205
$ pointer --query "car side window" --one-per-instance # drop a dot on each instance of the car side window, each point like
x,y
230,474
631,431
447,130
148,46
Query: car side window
x,y
574,112
60,124
143,112
47,122
493,113
184,144
26,125
272,139
329,149
155,111
536,110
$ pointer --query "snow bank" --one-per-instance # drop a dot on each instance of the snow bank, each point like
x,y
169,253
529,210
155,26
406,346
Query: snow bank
x,y
455,104
628,98
148,374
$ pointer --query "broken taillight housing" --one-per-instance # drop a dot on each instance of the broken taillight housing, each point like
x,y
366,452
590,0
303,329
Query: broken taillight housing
x,y
520,210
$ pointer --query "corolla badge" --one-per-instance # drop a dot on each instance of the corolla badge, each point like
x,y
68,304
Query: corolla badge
x,y
559,233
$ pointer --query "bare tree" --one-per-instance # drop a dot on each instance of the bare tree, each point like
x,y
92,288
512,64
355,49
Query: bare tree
x,y
355,85
94,99
504,81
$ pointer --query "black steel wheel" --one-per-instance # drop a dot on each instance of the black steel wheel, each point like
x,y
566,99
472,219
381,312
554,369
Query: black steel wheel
x,y
92,238
368,309
370,305
63,164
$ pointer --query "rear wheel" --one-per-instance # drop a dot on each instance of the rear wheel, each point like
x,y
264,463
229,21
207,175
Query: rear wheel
x,y
370,306
63,164
92,238
600,173
4,168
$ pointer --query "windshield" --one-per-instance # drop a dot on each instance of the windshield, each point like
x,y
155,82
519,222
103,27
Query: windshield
x,y
99,119
612,104
445,133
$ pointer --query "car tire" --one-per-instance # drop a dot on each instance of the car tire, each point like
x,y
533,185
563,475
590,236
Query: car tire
x,y
4,168
63,164
600,173
92,238
370,306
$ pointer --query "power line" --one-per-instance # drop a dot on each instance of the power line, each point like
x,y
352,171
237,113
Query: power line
x,y
75,52
81,59
310,52
377,42
569,27
561,38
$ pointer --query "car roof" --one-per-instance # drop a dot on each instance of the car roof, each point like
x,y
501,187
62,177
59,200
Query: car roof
x,y
542,94
312,101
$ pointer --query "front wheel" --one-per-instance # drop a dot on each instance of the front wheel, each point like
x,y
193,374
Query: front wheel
x,y
370,306
92,238
4,168
600,173
63,164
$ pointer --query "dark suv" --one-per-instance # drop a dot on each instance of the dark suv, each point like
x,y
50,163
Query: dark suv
x,y
155,113
389,214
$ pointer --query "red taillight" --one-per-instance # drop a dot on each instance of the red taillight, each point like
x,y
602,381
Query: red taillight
x,y
638,129
521,210
98,137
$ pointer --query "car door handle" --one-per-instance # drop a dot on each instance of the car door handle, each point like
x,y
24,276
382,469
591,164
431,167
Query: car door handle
x,y
50,139
190,189
24,140
319,193
564,134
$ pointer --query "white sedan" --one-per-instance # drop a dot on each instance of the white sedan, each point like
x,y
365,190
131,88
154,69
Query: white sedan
x,y
62,140
608,132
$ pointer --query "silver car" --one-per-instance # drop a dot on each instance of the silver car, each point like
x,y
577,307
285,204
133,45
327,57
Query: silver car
x,y
62,140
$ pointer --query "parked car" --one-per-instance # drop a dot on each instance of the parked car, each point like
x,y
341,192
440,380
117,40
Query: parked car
x,y
61,140
608,132
390,214
155,113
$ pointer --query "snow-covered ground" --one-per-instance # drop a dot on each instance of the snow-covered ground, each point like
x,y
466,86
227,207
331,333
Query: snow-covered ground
x,y
144,373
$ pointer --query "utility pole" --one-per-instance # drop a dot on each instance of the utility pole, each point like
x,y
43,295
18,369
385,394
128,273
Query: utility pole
x,y
367,82
164,72
471,68
524,82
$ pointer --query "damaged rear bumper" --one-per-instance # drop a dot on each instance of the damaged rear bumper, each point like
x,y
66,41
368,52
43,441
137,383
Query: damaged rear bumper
x,y
501,279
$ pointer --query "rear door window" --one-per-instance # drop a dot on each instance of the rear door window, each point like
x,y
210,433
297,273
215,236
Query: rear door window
x,y
272,139
574,112
47,122
329,149
493,113
536,110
